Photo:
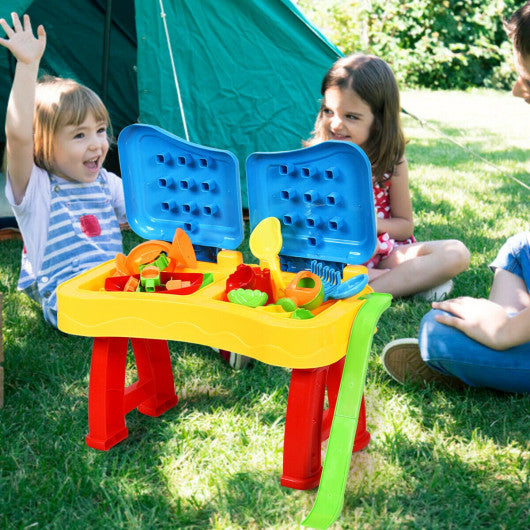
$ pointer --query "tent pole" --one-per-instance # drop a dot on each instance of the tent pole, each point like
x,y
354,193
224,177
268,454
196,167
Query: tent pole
x,y
106,52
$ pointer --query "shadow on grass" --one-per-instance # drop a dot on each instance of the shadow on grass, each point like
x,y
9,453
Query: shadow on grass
x,y
477,412
439,489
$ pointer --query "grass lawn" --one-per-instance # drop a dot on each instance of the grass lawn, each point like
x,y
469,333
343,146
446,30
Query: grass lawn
x,y
438,458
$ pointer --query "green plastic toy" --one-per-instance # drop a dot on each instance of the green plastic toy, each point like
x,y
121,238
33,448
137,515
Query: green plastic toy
x,y
287,304
330,495
302,314
248,297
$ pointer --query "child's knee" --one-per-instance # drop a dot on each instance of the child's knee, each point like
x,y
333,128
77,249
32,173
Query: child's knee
x,y
456,255
433,336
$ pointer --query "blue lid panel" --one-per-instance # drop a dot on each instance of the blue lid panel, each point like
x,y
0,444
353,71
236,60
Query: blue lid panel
x,y
170,183
322,196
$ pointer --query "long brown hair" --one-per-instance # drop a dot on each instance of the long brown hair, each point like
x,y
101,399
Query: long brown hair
x,y
374,82
60,102
518,29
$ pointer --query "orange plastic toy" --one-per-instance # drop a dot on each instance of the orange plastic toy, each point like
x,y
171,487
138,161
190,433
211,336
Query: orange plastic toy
x,y
306,290
145,253
181,252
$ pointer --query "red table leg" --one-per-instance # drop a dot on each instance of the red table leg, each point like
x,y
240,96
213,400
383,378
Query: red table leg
x,y
156,374
106,416
303,426
307,425
108,398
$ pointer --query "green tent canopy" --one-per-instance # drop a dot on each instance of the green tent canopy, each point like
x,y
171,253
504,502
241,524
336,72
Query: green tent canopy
x,y
249,71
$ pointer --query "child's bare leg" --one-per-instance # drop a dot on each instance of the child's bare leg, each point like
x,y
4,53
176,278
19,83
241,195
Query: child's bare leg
x,y
376,273
420,266
509,291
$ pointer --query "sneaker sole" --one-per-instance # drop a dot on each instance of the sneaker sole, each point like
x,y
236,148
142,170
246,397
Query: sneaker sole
x,y
403,362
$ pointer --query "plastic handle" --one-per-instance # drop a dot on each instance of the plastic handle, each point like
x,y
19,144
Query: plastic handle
x,y
330,495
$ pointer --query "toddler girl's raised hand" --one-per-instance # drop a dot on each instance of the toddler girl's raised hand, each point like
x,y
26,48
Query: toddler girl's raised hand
x,y
21,41
27,50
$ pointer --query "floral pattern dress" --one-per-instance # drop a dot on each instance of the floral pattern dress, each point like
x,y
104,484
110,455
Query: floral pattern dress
x,y
385,244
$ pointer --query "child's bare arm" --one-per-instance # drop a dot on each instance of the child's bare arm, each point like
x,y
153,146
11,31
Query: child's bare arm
x,y
400,226
28,51
485,321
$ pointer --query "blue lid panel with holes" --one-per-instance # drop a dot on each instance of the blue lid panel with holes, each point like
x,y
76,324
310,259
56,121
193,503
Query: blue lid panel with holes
x,y
322,196
170,183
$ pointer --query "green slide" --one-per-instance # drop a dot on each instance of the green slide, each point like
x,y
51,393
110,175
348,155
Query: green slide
x,y
330,496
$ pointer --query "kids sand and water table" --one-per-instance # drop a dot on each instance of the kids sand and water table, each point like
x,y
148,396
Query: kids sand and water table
x,y
306,306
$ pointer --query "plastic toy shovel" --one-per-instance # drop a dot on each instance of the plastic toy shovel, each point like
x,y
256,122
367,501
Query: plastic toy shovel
x,y
265,244
330,496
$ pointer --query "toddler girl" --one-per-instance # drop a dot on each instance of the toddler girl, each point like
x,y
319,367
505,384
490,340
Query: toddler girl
x,y
361,105
68,207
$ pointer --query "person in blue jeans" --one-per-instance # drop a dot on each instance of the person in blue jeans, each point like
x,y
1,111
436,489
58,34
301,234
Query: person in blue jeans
x,y
478,342
471,341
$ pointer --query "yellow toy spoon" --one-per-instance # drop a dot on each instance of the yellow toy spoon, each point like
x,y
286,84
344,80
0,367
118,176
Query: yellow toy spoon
x,y
265,244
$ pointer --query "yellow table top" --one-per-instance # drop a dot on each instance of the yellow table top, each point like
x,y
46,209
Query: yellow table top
x,y
203,317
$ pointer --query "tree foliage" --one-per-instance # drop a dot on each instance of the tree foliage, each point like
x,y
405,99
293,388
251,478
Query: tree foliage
x,y
446,44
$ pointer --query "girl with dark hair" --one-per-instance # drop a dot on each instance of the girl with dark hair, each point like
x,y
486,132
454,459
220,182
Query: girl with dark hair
x,y
361,104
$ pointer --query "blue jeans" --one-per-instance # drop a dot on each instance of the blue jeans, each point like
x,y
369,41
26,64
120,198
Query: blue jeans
x,y
452,352
514,256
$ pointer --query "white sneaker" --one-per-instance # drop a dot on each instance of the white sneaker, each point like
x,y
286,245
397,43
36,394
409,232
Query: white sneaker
x,y
438,293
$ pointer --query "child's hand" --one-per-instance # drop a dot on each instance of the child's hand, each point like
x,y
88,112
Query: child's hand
x,y
21,41
480,319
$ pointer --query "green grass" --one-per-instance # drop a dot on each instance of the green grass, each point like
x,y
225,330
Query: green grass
x,y
438,458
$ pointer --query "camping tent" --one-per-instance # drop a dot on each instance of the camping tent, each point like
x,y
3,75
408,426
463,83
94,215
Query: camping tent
x,y
248,71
